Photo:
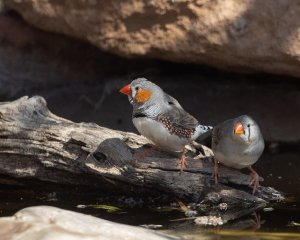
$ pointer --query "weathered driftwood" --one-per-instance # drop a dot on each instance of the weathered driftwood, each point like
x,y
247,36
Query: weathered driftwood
x,y
38,144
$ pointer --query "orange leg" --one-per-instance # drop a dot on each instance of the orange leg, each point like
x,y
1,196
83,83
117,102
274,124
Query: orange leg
x,y
182,162
257,221
215,172
255,179
139,156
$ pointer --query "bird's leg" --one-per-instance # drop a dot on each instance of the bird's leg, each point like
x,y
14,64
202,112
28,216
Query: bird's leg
x,y
215,172
257,221
255,179
142,155
182,162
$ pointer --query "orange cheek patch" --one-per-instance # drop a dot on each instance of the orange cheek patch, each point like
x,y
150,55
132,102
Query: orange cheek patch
x,y
142,95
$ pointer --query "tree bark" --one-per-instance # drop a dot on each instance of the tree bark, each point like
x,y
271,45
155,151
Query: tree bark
x,y
37,144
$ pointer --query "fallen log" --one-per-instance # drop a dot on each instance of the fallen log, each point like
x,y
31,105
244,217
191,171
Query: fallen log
x,y
37,144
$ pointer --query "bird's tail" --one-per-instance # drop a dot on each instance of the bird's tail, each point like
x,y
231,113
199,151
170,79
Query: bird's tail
x,y
203,132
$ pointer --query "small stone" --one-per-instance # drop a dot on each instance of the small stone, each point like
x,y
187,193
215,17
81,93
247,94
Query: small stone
x,y
81,206
152,226
209,221
223,206
268,209
191,213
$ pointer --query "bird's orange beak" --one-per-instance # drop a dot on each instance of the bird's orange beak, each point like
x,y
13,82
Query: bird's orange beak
x,y
126,90
239,129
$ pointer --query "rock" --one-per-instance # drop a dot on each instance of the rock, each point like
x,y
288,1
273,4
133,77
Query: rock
x,y
209,220
45,223
238,35
34,62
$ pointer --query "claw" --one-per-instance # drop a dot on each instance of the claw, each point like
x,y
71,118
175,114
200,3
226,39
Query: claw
x,y
255,180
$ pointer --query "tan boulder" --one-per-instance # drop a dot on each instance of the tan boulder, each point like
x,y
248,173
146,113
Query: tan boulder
x,y
248,35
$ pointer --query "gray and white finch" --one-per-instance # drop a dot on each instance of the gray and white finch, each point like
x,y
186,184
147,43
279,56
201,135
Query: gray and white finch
x,y
160,118
237,143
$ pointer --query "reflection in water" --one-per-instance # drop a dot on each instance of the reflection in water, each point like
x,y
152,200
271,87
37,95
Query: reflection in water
x,y
218,234
277,221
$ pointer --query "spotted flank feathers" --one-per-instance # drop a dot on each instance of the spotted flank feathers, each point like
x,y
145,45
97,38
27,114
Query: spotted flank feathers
x,y
177,130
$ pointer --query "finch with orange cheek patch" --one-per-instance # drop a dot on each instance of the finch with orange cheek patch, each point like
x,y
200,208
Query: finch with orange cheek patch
x,y
160,118
238,143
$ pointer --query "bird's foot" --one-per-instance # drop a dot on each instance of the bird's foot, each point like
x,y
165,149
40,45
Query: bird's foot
x,y
139,156
215,172
255,180
182,162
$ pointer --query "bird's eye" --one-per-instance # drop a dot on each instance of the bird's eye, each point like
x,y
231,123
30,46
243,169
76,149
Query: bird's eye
x,y
248,125
137,88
